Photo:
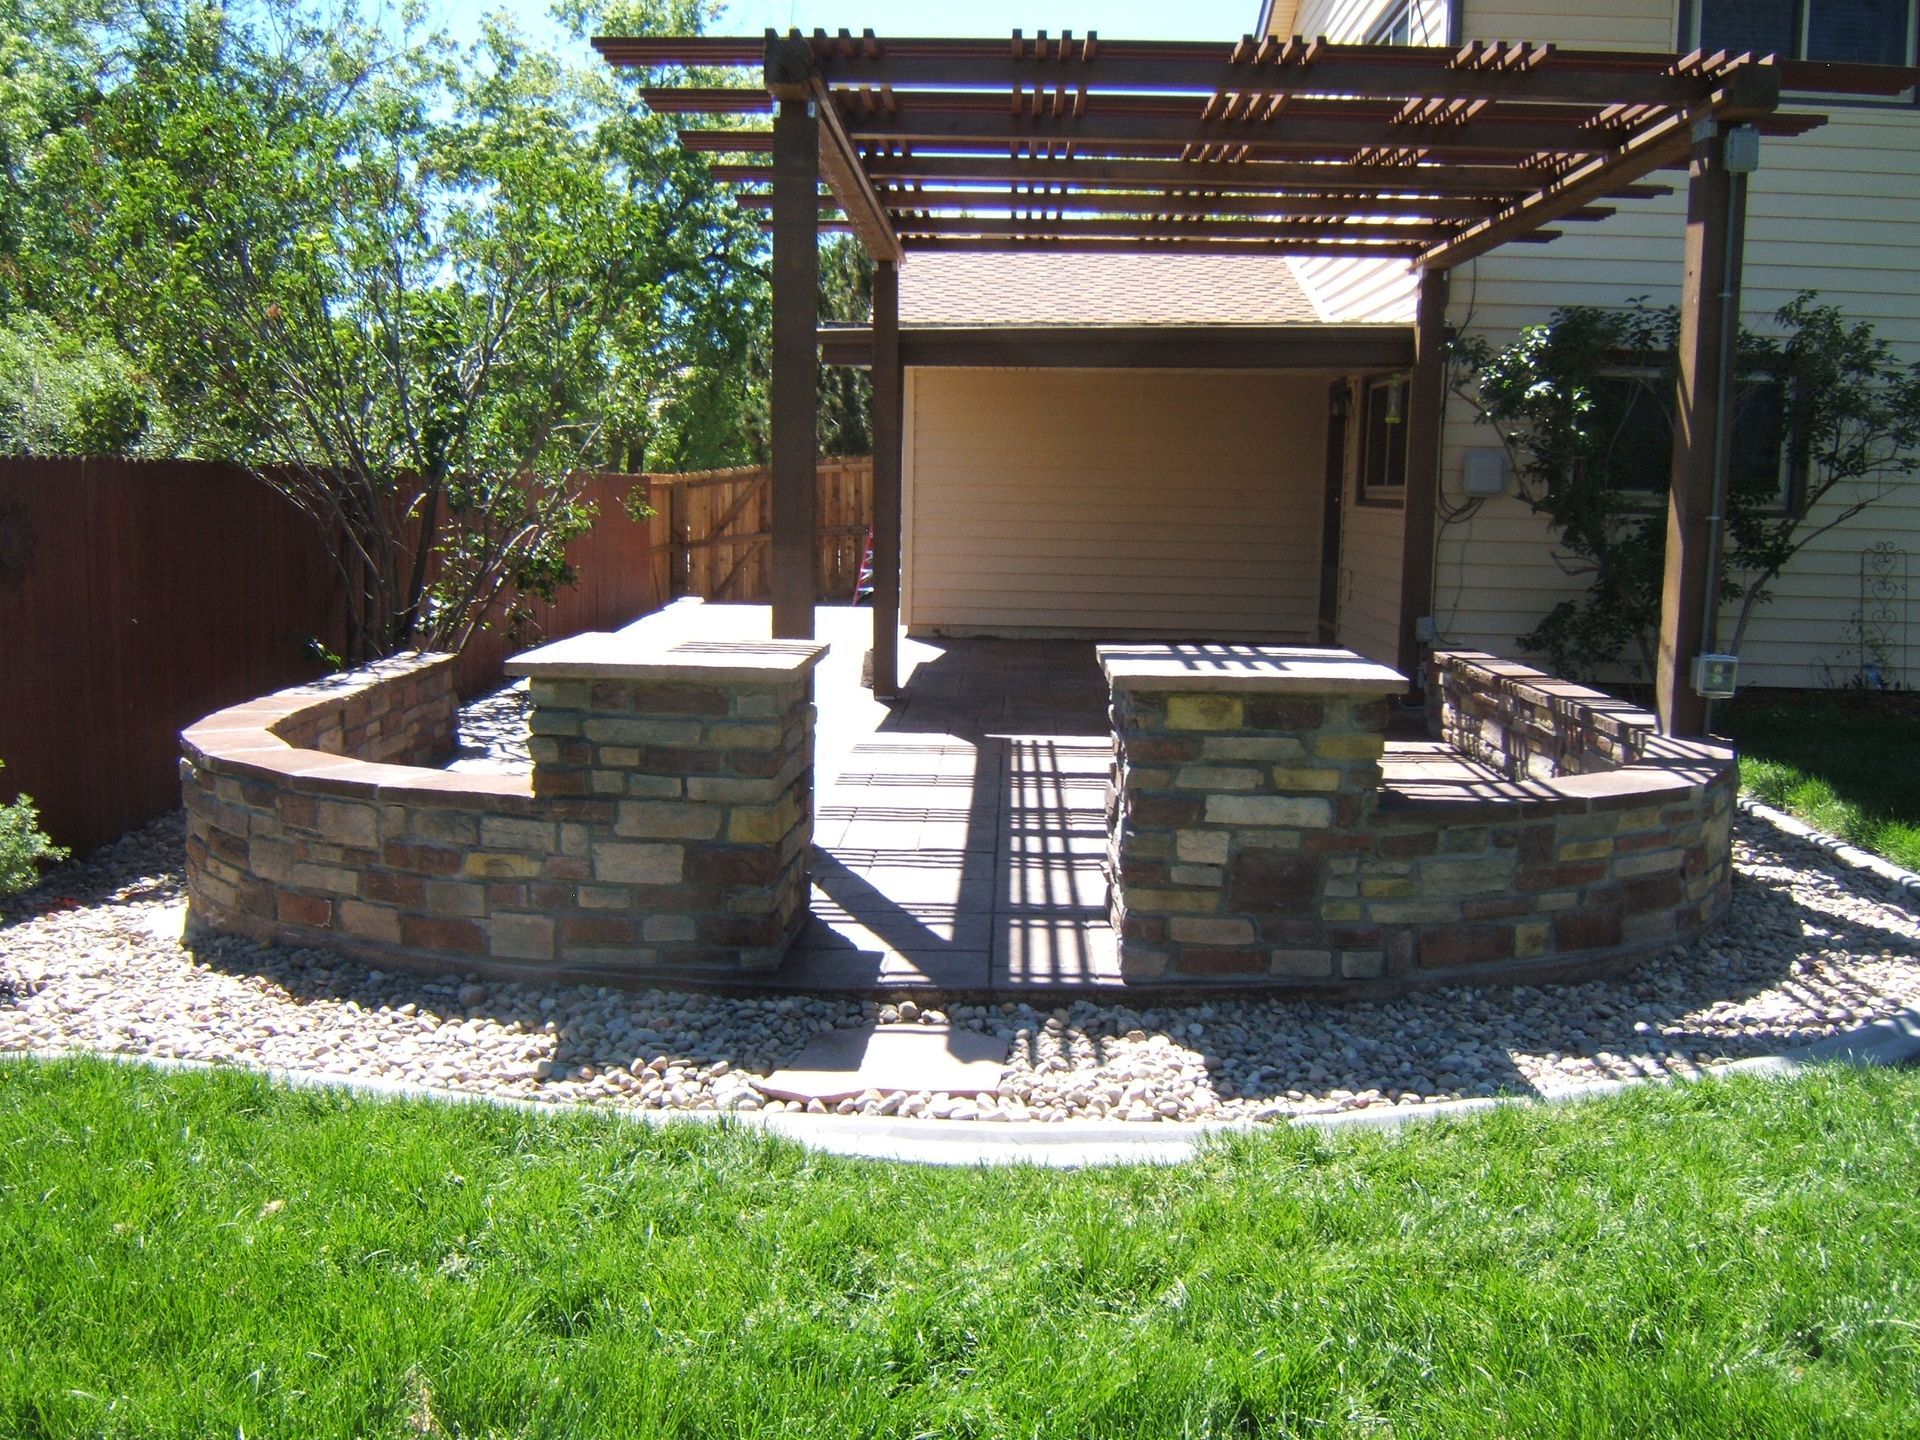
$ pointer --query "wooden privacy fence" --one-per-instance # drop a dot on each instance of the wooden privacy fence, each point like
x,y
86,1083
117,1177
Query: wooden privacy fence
x,y
138,596
718,528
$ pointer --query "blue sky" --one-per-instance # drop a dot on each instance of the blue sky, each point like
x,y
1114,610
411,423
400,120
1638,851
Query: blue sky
x,y
1118,19
1121,19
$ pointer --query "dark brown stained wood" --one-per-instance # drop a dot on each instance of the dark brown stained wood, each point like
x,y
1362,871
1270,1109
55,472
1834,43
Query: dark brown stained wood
x,y
1425,414
1174,227
796,304
840,168
1154,347
727,142
1176,245
1596,77
1751,91
137,596
1160,203
705,100
1239,176
1330,138
888,424
1708,287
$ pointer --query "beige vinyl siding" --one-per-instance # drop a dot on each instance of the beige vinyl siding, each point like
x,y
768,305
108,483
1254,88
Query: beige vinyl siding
x,y
1121,503
1353,292
1350,20
1576,24
1836,211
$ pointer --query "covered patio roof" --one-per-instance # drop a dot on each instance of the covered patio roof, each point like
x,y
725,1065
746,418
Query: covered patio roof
x,y
1427,156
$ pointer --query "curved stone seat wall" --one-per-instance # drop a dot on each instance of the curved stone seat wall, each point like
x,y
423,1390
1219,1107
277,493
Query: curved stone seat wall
x,y
1264,827
664,830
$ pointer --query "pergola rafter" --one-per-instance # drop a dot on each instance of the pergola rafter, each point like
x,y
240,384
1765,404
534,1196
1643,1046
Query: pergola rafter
x,y
1265,147
1459,145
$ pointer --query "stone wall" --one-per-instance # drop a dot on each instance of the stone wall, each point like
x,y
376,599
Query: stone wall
x,y
664,830
1525,723
1256,835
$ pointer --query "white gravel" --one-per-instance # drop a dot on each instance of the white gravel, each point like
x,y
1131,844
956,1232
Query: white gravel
x,y
93,960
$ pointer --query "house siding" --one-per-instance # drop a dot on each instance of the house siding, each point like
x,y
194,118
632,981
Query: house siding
x,y
1122,503
1832,211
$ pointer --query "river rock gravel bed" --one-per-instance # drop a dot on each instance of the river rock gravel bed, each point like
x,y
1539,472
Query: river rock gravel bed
x,y
94,960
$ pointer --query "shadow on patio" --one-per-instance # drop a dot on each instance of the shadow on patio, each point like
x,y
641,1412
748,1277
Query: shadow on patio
x,y
960,833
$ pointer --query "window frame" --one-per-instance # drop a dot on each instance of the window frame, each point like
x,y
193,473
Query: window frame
x,y
1790,491
1693,15
1385,494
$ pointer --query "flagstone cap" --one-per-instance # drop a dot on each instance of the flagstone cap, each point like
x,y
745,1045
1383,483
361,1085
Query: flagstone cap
x,y
675,644
1255,669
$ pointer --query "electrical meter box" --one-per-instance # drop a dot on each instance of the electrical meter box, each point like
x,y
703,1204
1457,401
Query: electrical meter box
x,y
1716,677
1484,472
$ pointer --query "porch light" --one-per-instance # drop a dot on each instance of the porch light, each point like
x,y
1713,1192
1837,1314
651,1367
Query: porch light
x,y
1396,387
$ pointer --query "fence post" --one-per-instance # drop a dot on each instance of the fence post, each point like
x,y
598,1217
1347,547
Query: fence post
x,y
679,550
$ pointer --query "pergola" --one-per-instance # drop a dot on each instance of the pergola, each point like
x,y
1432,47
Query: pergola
x,y
1430,156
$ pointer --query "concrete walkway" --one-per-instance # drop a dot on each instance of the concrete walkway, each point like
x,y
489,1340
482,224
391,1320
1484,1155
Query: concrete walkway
x,y
960,832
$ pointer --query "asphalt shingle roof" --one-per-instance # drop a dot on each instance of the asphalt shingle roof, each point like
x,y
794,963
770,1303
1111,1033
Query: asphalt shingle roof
x,y
962,288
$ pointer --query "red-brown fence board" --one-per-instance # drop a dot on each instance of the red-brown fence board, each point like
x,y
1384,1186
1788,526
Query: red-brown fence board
x,y
137,596
134,598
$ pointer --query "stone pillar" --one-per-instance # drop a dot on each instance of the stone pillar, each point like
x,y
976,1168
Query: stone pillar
x,y
691,764
1245,778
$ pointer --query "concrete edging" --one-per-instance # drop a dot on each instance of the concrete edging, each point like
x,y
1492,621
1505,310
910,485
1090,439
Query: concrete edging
x,y
1852,856
1069,1144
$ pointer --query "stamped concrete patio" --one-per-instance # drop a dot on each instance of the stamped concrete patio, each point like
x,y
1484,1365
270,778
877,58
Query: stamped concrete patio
x,y
960,832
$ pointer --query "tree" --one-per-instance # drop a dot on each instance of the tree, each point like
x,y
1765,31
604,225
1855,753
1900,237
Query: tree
x,y
415,292
1826,423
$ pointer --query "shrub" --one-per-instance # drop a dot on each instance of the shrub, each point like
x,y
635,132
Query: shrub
x,y
22,846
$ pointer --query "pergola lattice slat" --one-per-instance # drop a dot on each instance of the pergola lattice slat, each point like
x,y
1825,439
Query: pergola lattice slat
x,y
1263,147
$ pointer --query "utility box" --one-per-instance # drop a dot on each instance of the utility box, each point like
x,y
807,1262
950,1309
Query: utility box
x,y
1716,677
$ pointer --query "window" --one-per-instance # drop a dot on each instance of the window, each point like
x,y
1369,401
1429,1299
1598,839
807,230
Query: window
x,y
1410,22
1636,433
1395,27
1868,32
1383,441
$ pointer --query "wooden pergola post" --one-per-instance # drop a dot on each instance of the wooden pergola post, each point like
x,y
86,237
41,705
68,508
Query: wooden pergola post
x,y
888,399
1709,327
796,308
1425,414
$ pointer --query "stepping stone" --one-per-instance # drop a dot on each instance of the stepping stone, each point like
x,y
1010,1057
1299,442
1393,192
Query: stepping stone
x,y
837,1064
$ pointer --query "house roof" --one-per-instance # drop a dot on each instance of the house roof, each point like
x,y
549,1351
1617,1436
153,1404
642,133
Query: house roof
x,y
961,288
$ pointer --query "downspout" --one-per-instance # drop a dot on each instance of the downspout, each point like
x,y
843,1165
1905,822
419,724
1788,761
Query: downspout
x,y
1740,153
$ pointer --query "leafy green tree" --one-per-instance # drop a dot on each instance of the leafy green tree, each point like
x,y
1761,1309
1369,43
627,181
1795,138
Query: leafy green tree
x,y
417,292
1826,423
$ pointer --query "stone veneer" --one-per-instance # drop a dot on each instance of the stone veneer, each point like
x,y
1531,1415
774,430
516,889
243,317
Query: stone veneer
x,y
665,828
1255,836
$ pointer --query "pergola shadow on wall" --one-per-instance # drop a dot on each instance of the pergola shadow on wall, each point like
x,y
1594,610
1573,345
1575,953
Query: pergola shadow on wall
x,y
1298,147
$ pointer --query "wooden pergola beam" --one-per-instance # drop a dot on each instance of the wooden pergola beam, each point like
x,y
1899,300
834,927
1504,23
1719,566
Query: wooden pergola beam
x,y
1332,138
1142,245
1752,91
1175,227
795,380
889,390
1245,176
1425,416
840,168
1318,348
1709,324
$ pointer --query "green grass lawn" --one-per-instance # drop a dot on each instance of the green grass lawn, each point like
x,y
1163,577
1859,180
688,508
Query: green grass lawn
x,y
1847,763
211,1255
